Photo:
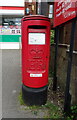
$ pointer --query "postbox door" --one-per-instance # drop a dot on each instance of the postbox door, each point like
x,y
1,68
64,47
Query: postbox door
x,y
37,53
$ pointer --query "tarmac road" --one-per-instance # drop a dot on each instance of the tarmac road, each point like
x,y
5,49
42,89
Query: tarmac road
x,y
11,86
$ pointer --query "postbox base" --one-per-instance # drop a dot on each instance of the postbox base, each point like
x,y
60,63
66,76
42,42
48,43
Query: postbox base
x,y
34,96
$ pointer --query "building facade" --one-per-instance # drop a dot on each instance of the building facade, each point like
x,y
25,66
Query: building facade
x,y
11,13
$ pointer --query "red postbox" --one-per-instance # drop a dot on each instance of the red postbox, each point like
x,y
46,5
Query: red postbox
x,y
35,58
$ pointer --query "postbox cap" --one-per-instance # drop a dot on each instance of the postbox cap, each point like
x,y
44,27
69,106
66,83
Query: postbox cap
x,y
36,17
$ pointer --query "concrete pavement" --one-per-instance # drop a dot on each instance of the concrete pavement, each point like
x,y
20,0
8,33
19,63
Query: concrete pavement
x,y
11,87
0,84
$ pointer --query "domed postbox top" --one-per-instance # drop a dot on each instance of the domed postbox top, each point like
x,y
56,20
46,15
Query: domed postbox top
x,y
36,17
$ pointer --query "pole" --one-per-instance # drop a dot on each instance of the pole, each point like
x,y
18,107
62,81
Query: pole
x,y
67,102
55,59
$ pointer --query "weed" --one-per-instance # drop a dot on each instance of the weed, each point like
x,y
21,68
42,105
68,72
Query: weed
x,y
54,111
52,36
20,99
73,114
34,107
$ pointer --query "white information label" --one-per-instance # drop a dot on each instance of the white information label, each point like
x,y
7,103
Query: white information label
x,y
37,38
35,75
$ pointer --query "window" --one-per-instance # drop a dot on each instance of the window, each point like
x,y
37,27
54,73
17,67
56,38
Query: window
x,y
50,11
18,31
11,21
13,31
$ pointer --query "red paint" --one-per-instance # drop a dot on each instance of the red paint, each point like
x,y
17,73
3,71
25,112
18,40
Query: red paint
x,y
16,27
0,26
35,58
11,8
68,8
11,26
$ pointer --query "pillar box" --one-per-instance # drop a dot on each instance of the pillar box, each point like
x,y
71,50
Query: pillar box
x,y
35,58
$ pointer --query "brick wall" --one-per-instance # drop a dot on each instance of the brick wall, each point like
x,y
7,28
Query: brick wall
x,y
32,7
